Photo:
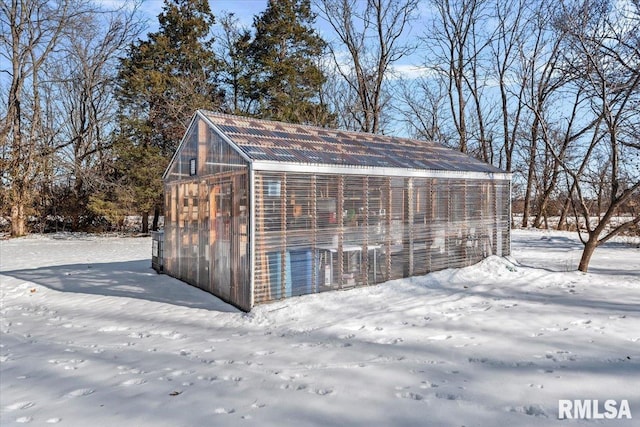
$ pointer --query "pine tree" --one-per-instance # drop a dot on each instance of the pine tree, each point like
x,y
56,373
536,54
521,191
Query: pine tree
x,y
162,81
285,78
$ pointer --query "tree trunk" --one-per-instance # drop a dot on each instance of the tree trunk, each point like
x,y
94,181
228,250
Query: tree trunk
x,y
156,218
18,225
589,248
562,222
145,222
531,174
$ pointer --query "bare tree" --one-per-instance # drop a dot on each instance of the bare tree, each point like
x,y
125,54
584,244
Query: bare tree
x,y
602,54
506,47
60,107
423,106
455,45
373,39
232,46
31,29
82,79
539,70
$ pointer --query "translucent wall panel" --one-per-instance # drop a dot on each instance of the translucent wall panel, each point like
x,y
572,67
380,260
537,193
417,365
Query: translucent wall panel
x,y
207,229
317,232
207,216
204,153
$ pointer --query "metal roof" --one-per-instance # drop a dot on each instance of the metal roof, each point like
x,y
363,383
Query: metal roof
x,y
264,140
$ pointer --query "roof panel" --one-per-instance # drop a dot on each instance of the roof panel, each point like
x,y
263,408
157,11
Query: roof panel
x,y
282,142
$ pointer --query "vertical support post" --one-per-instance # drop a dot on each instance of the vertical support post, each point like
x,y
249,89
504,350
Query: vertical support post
x,y
507,225
465,225
283,228
365,227
449,226
252,236
234,258
409,227
433,203
340,221
203,234
181,244
175,226
262,257
494,218
387,243
315,267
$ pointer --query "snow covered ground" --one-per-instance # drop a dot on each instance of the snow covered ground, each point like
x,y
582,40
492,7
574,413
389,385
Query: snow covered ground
x,y
92,336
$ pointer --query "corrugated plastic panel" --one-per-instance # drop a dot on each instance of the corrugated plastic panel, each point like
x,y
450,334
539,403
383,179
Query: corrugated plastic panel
x,y
207,235
211,154
319,232
303,144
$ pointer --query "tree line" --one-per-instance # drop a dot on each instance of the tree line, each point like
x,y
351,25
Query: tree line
x,y
93,108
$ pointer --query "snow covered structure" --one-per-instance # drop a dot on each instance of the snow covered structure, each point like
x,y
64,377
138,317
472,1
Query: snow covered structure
x,y
257,210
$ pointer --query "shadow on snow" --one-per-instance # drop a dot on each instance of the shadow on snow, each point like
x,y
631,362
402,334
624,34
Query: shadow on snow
x,y
129,279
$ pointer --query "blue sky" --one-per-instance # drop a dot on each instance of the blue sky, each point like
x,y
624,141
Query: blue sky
x,y
245,10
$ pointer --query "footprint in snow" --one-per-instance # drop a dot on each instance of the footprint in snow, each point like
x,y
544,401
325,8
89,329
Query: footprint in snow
x,y
80,392
410,395
205,378
447,396
24,420
67,363
293,387
139,335
124,370
580,322
389,341
322,391
224,411
133,381
533,410
53,420
19,405
172,335
439,337
306,345
427,384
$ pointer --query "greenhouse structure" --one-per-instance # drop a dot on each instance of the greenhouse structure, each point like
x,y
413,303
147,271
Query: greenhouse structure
x,y
257,211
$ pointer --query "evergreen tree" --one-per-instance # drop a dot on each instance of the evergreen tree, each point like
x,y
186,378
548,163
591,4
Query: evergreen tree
x,y
284,78
162,81
233,44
